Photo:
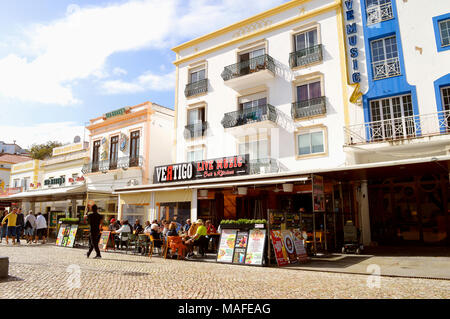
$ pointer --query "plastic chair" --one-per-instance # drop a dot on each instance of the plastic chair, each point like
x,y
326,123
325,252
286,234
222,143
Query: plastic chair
x,y
142,243
132,242
175,244
152,245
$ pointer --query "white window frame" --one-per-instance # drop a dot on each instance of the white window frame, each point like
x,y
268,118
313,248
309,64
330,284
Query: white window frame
x,y
440,33
443,96
305,131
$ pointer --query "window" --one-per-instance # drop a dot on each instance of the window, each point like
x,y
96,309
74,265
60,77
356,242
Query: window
x,y
256,149
307,49
197,76
26,183
95,156
134,148
310,143
444,28
392,118
197,82
309,91
113,152
385,62
252,60
196,115
445,92
195,123
16,183
195,155
305,40
378,11
133,212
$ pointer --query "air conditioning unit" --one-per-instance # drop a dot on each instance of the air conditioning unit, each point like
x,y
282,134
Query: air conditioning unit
x,y
288,188
242,190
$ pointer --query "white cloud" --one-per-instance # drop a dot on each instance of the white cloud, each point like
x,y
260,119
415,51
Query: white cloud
x,y
53,57
119,71
25,136
145,82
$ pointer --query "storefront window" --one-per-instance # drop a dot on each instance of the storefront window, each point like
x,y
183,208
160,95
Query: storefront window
x,y
133,212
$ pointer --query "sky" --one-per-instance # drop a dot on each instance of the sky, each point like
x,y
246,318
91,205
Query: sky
x,y
63,62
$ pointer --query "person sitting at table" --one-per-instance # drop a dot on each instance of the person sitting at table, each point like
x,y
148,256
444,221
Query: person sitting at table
x,y
165,229
172,229
137,227
210,229
156,235
187,225
147,227
113,225
123,232
199,239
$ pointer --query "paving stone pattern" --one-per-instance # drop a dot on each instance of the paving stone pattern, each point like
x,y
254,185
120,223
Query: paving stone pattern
x,y
40,271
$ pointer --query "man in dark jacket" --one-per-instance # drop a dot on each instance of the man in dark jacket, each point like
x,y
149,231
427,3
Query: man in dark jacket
x,y
19,224
94,221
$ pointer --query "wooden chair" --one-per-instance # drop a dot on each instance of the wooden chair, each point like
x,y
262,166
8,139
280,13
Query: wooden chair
x,y
152,245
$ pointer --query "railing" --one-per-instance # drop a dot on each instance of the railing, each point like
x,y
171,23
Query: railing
x,y
306,56
308,108
259,63
266,165
386,68
398,128
250,115
379,13
195,130
195,88
106,165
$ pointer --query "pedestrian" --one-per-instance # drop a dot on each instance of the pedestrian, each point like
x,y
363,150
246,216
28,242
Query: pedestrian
x,y
3,228
30,226
19,224
95,222
41,228
11,231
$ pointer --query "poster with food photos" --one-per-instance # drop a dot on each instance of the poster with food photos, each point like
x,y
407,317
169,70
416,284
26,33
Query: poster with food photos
x,y
226,245
255,247
59,239
71,236
240,247
278,248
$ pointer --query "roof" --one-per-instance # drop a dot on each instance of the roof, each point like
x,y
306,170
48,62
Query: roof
x,y
13,158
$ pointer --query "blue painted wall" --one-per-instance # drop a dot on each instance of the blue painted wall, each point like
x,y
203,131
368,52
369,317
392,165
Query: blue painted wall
x,y
390,86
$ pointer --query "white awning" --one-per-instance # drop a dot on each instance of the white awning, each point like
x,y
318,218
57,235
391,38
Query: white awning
x,y
71,190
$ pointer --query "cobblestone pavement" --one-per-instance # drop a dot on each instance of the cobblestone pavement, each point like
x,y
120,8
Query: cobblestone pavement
x,y
41,271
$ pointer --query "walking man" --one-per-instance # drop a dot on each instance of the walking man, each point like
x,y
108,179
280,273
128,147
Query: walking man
x,y
30,226
11,218
94,220
19,224
41,228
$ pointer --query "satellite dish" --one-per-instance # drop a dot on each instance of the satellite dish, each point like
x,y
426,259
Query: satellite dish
x,y
77,139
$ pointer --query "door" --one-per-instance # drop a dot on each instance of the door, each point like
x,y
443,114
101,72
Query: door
x,y
95,156
134,148
113,152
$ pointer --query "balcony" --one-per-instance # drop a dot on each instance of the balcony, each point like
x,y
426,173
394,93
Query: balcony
x,y
253,72
408,127
306,56
379,13
196,88
266,165
308,108
386,68
107,165
195,130
255,117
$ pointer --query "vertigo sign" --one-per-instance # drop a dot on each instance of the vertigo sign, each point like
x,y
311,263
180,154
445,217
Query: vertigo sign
x,y
215,168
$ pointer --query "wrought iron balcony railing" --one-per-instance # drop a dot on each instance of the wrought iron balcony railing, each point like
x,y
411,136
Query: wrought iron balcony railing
x,y
195,130
398,128
379,13
107,165
306,56
311,107
250,115
386,68
195,88
259,63
266,165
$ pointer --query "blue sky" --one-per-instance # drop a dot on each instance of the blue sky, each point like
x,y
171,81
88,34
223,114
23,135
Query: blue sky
x,y
64,62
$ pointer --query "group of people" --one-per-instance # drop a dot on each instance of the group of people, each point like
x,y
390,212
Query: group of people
x,y
191,234
14,225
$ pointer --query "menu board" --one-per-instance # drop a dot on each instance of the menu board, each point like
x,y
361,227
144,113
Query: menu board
x,y
279,249
255,247
104,238
288,243
299,246
240,247
226,245
66,235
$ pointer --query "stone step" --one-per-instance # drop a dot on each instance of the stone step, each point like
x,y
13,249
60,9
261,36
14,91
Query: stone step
x,y
4,267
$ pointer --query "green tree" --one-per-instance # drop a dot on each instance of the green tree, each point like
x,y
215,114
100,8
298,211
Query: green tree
x,y
42,151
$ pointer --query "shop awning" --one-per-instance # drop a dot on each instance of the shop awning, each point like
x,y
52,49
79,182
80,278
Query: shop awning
x,y
135,199
58,193
413,166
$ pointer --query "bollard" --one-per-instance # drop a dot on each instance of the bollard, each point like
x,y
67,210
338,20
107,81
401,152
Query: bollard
x,y
4,266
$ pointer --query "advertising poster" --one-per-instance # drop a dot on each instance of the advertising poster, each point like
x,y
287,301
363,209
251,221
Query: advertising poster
x,y
72,234
226,245
278,248
60,237
103,243
255,247
318,194
299,246
288,242
240,247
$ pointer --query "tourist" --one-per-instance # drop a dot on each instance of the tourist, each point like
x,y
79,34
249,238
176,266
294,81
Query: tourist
x,y
4,227
124,231
113,226
210,229
199,239
94,221
137,227
156,235
187,226
41,228
148,227
172,229
11,230
30,226
20,222
165,229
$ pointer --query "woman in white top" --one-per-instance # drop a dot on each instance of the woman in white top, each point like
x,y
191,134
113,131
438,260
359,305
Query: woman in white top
x,y
124,231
